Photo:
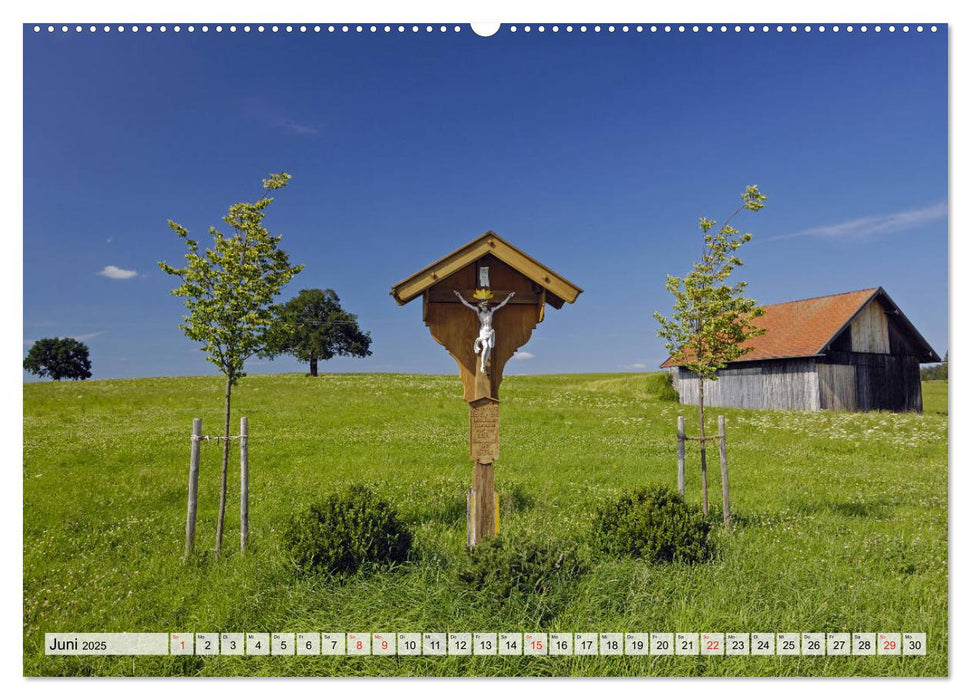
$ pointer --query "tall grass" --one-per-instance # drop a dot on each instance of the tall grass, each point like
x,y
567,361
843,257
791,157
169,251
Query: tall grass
x,y
841,521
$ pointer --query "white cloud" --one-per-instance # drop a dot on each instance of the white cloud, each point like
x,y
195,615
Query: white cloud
x,y
873,226
636,365
522,355
298,128
117,273
82,337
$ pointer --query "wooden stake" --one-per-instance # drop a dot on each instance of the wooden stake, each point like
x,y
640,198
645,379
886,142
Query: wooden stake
x,y
723,453
243,484
681,454
190,518
470,538
703,442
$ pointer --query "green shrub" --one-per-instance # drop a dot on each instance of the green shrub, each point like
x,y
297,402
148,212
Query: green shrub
x,y
499,567
346,532
653,523
660,385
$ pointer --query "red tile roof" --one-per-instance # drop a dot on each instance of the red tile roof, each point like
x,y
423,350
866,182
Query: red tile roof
x,y
801,328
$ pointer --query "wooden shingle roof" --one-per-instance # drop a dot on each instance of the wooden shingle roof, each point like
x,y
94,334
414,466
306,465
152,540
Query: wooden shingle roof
x,y
805,328
487,244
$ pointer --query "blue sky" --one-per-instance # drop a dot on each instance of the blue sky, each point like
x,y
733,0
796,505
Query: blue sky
x,y
595,153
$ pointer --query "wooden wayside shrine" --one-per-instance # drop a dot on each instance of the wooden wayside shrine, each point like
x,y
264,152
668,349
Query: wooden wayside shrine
x,y
509,290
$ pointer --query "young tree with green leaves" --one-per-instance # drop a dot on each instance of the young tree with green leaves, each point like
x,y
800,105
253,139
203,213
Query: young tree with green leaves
x,y
314,326
712,318
229,291
58,358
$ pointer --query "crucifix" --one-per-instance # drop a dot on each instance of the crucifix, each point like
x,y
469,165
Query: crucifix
x,y
486,339
473,276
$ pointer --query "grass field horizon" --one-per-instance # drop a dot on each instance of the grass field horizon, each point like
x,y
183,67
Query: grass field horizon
x,y
841,521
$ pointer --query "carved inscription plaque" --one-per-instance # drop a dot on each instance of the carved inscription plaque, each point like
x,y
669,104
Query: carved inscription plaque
x,y
484,430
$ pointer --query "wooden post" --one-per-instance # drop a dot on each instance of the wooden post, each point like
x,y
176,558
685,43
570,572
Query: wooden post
x,y
243,484
483,503
703,443
190,518
723,453
484,451
681,454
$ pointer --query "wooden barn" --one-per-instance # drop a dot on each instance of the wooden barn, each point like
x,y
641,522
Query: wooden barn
x,y
846,352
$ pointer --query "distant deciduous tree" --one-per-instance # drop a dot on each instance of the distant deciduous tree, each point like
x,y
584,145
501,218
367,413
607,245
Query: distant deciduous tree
x,y
228,291
712,318
935,371
313,326
58,358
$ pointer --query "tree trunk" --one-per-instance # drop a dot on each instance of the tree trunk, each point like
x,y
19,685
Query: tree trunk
x,y
701,435
222,490
313,366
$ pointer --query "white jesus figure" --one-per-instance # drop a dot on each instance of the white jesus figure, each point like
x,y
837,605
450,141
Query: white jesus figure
x,y
486,341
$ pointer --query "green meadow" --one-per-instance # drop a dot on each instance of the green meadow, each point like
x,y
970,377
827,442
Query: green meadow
x,y
841,522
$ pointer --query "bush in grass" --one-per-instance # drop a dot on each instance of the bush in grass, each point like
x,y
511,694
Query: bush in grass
x,y
653,523
661,386
347,532
668,392
500,567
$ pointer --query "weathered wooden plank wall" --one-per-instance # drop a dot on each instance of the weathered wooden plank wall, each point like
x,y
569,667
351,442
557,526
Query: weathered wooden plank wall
x,y
869,331
837,387
781,384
